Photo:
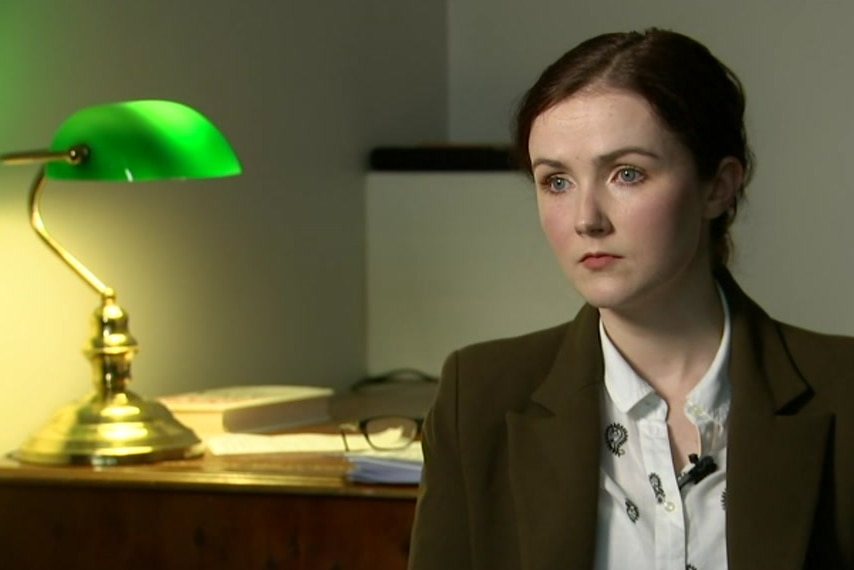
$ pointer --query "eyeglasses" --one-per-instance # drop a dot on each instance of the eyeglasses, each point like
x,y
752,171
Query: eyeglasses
x,y
384,433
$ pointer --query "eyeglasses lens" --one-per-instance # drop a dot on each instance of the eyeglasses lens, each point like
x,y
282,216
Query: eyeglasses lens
x,y
391,432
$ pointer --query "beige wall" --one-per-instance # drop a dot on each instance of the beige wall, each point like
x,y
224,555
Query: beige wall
x,y
259,278
452,259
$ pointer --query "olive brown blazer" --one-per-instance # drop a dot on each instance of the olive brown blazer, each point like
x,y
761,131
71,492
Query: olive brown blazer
x,y
512,450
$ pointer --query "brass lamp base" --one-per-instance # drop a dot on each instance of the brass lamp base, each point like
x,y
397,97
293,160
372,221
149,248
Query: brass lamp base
x,y
118,429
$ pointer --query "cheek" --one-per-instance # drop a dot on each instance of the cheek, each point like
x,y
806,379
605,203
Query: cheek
x,y
554,222
676,219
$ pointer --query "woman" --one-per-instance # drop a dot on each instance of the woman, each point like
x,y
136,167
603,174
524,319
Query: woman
x,y
672,423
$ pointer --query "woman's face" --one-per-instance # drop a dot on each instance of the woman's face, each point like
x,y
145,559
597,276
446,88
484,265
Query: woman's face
x,y
620,200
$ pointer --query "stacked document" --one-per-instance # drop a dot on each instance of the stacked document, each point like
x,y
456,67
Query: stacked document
x,y
396,467
246,443
368,465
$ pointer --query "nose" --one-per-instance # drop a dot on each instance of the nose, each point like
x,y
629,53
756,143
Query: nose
x,y
590,216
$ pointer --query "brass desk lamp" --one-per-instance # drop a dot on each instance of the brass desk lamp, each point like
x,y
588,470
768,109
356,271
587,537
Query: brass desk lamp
x,y
129,141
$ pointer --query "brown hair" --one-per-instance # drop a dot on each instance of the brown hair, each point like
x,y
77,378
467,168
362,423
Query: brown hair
x,y
697,97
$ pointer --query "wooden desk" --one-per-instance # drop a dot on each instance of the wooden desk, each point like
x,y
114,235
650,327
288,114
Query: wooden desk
x,y
262,512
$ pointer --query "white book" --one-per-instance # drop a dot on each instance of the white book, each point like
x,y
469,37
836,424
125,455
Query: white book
x,y
269,408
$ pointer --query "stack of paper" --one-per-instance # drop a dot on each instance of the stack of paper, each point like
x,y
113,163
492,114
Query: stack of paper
x,y
368,465
245,443
397,467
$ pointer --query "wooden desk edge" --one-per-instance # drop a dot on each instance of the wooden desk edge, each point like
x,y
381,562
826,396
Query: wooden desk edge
x,y
294,474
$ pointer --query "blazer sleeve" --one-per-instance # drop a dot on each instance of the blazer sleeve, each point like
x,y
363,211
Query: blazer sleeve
x,y
440,535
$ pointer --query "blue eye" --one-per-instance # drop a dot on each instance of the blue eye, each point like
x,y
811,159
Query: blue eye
x,y
558,184
629,175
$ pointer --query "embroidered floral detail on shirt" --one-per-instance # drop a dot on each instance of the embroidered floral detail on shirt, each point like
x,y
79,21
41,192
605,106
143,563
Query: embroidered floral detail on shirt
x,y
632,511
723,499
657,487
616,437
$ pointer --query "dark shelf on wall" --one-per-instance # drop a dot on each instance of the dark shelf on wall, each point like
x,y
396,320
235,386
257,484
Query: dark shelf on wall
x,y
443,158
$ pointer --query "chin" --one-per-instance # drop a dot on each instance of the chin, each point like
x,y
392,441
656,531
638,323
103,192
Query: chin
x,y
625,295
605,302
604,293
604,299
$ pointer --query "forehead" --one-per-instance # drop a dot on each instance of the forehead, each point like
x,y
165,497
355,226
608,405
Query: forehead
x,y
597,122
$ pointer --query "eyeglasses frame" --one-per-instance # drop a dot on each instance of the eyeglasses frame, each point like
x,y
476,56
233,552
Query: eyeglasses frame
x,y
361,426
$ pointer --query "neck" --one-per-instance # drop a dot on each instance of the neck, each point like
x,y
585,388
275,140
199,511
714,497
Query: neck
x,y
670,344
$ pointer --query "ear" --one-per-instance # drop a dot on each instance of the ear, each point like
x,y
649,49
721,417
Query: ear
x,y
724,187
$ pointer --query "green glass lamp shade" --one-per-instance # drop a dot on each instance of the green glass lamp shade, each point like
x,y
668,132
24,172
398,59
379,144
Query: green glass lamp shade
x,y
143,140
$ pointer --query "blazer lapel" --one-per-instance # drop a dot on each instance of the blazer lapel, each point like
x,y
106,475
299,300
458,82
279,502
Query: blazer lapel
x,y
774,456
554,448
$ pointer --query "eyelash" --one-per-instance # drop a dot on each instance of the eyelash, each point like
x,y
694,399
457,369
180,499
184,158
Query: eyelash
x,y
621,169
547,183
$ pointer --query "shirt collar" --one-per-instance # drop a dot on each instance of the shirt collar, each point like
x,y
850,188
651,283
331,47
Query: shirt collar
x,y
710,398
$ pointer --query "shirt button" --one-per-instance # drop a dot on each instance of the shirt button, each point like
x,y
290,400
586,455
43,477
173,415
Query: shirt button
x,y
669,507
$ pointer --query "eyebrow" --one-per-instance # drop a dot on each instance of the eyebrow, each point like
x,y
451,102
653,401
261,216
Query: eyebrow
x,y
606,158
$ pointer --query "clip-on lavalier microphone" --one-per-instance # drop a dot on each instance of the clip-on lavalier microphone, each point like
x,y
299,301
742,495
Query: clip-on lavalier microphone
x,y
702,467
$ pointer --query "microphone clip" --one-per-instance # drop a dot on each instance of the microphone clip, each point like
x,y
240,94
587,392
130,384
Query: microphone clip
x,y
702,467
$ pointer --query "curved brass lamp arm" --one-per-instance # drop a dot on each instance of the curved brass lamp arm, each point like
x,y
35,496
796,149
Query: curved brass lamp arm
x,y
107,293
74,155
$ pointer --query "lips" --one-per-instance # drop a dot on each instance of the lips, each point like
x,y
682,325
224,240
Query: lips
x,y
598,260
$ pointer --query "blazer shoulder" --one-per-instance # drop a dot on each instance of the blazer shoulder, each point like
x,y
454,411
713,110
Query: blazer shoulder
x,y
823,360
544,338
812,346
506,369
518,351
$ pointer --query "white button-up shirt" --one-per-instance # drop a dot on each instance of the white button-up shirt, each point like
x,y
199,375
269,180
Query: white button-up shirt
x,y
645,521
